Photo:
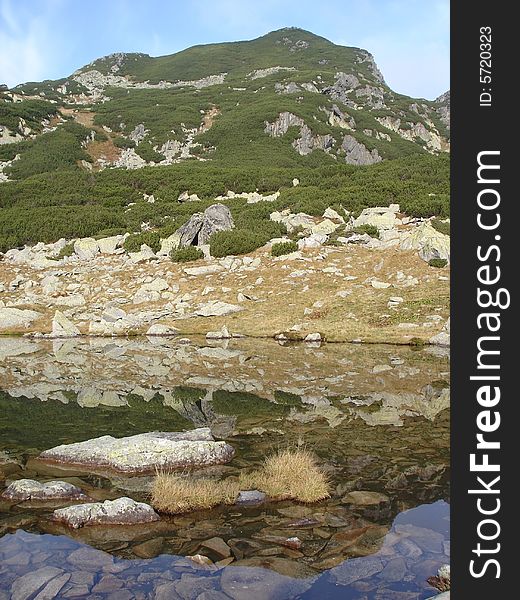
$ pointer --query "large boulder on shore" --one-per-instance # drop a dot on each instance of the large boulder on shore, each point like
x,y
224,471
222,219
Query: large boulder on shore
x,y
123,511
145,452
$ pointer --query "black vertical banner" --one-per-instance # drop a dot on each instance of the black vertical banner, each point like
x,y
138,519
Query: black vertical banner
x,y
484,326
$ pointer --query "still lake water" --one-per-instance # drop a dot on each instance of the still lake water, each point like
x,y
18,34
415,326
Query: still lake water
x,y
376,416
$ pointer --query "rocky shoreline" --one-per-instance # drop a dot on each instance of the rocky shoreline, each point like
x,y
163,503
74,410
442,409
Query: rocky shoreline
x,y
359,289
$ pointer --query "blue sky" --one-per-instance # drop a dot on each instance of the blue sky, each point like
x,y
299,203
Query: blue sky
x,y
49,39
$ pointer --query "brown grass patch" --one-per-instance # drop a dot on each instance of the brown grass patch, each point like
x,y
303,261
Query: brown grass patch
x,y
287,475
176,494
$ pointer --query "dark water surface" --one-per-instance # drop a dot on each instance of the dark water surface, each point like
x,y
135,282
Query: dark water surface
x,y
376,416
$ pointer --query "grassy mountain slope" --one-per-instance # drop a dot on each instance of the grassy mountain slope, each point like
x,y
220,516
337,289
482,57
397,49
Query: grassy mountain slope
x,y
78,154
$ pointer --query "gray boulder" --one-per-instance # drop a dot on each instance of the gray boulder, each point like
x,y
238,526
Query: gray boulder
x,y
201,226
123,511
217,217
145,452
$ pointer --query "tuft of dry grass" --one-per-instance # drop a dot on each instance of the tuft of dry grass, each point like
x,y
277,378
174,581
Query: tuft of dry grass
x,y
175,494
287,475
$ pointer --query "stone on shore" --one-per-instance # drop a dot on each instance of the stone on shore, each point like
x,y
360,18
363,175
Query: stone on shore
x,y
123,511
160,329
145,452
28,489
63,327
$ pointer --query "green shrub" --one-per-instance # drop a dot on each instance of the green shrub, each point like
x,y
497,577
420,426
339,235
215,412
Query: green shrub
x,y
67,250
283,248
147,153
122,142
186,254
134,242
441,226
235,241
371,230
438,262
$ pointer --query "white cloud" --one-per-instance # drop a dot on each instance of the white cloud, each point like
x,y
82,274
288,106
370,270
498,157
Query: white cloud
x,y
25,41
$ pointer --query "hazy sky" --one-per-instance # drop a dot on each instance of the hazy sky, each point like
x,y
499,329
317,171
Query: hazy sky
x,y
49,39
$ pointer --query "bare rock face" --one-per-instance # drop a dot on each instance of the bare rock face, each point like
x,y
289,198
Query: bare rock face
x,y
201,226
28,489
357,153
145,452
123,511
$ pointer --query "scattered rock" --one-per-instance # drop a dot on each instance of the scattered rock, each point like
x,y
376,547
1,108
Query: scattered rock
x,y
428,241
149,549
24,587
223,334
160,329
313,337
365,498
86,248
217,546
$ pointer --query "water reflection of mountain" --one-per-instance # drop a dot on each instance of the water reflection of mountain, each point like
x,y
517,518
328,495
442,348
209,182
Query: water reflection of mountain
x,y
376,416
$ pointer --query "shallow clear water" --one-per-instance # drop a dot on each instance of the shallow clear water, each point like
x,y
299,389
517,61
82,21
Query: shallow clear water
x,y
376,416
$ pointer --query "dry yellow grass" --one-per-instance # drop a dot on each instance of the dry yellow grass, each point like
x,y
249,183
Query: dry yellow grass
x,y
287,475
175,494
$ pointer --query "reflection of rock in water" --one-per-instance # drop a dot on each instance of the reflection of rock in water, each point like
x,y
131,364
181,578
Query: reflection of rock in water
x,y
350,557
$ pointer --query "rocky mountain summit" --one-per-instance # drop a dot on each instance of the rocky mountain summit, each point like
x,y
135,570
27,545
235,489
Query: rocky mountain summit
x,y
136,110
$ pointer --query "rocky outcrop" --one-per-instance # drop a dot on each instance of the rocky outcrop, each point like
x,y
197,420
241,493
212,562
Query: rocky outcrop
x,y
28,489
307,141
428,241
357,153
339,91
258,73
382,217
416,131
123,511
145,452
